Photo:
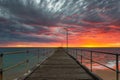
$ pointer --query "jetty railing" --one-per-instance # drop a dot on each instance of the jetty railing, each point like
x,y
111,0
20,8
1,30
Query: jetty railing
x,y
97,57
19,64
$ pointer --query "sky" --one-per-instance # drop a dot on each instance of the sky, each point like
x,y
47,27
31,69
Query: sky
x,y
43,23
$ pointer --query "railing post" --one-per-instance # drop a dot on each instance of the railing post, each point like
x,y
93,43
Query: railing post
x,y
42,52
27,65
81,56
117,67
76,54
38,55
46,52
1,66
27,61
72,52
91,59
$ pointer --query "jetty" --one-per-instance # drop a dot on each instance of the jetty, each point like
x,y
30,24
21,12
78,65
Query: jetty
x,y
61,66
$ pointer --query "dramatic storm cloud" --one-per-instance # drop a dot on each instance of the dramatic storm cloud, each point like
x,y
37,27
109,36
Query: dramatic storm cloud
x,y
42,21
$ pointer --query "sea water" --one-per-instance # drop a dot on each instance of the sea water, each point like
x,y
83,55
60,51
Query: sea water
x,y
11,66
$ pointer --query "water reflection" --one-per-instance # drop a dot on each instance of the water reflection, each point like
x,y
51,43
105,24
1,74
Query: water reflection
x,y
104,65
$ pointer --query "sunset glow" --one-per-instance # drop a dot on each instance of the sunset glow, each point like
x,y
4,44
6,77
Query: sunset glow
x,y
90,23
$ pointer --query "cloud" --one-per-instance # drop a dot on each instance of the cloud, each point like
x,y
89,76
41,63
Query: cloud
x,y
28,20
14,32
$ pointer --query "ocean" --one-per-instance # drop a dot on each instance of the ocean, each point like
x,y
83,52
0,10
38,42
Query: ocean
x,y
16,62
12,71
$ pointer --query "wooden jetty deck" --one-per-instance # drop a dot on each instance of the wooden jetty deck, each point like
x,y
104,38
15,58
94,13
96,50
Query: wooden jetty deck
x,y
60,66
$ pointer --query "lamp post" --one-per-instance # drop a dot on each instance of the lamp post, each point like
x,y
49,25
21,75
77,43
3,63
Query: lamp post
x,y
66,38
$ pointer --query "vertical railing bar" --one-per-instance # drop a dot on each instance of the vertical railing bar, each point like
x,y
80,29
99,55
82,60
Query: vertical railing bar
x,y
27,61
117,67
91,59
42,52
46,50
76,53
81,56
1,66
38,55
73,53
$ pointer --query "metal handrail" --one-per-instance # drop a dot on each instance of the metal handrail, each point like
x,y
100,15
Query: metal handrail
x,y
26,61
16,65
92,61
99,63
95,51
18,52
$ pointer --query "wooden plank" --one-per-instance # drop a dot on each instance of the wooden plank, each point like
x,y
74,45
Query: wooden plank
x,y
60,66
